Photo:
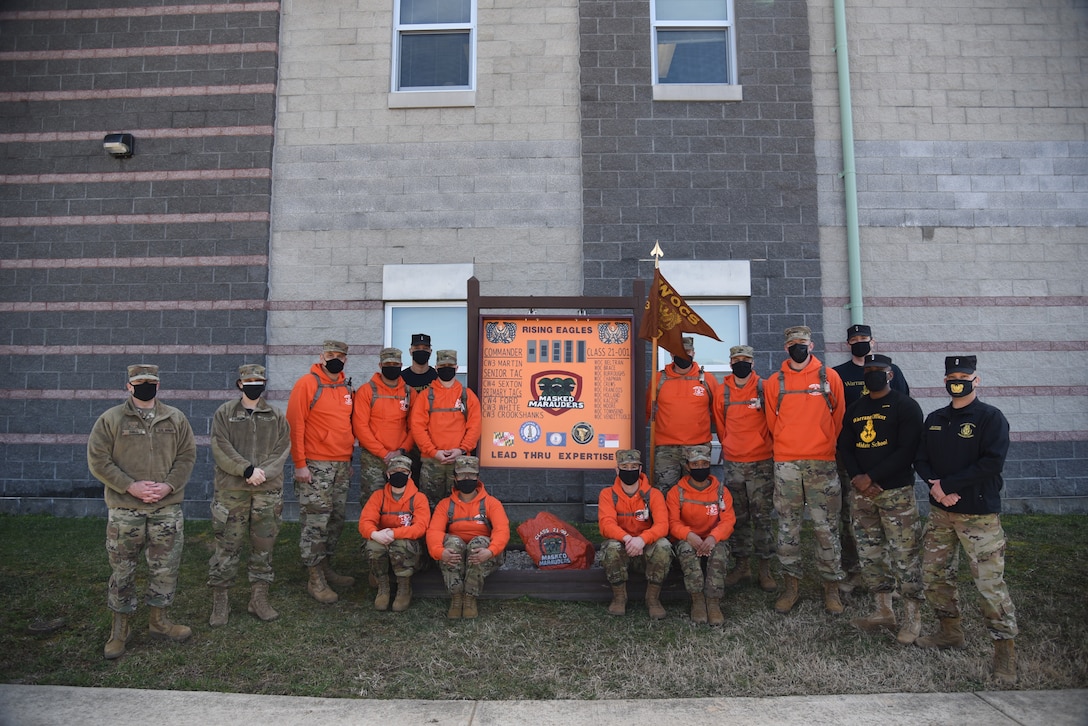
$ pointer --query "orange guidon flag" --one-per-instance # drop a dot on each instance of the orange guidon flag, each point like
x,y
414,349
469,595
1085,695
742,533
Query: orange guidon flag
x,y
667,317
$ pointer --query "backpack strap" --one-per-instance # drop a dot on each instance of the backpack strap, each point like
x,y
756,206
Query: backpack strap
x,y
407,394
464,403
645,497
482,517
748,401
411,508
322,386
825,390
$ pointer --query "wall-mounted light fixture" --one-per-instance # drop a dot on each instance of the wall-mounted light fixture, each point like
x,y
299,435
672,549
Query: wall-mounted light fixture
x,y
119,146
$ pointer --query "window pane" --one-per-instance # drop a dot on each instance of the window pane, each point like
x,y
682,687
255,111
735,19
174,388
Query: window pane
x,y
414,12
446,324
692,56
429,60
726,320
691,10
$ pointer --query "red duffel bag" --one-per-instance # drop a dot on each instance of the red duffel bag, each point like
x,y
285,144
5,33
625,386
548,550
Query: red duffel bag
x,y
555,545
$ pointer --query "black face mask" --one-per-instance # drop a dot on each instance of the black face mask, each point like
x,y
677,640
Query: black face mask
x,y
700,474
742,369
253,391
466,486
860,349
876,380
421,356
398,479
145,391
629,476
334,365
447,373
959,389
798,352
391,373
681,361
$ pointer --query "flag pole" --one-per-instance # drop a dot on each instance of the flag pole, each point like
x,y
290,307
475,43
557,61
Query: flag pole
x,y
657,255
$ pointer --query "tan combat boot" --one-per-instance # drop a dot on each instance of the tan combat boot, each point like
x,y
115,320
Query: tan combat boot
x,y
618,606
949,635
882,616
832,603
1005,661
381,600
714,614
698,608
120,634
457,605
469,610
789,596
766,579
912,621
653,601
317,587
159,626
220,607
404,594
334,579
258,602
742,571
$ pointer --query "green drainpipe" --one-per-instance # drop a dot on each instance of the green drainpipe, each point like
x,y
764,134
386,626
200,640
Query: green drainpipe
x,y
849,173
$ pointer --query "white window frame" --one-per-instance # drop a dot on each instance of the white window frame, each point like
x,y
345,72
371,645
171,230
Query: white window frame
x,y
728,90
431,96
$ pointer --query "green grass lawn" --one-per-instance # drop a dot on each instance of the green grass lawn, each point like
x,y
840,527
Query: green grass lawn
x,y
518,649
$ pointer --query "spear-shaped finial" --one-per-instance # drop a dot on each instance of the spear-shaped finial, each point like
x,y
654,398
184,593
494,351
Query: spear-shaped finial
x,y
657,254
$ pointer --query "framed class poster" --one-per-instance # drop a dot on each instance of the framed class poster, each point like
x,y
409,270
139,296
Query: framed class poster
x,y
556,392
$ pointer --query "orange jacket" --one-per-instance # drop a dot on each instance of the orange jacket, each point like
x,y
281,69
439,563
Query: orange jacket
x,y
701,512
380,420
805,428
408,517
742,425
466,523
683,406
642,515
448,425
321,433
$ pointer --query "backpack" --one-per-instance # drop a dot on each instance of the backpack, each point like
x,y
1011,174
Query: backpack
x,y
407,395
482,516
411,509
825,390
321,386
721,497
645,496
464,402
747,402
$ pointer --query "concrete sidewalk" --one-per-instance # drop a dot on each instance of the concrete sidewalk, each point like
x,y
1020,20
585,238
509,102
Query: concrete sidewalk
x,y
48,705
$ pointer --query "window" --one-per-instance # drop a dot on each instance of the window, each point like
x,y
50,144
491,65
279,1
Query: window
x,y
694,50
729,318
428,299
434,47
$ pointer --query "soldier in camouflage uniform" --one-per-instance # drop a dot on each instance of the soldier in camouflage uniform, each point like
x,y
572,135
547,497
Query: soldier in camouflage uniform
x,y
701,520
143,451
634,521
961,457
467,536
250,442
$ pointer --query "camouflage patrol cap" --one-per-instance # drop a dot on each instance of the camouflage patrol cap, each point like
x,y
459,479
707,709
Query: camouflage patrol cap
x,y
251,372
399,463
445,358
798,332
389,355
689,342
628,456
334,346
698,452
466,465
143,372
741,350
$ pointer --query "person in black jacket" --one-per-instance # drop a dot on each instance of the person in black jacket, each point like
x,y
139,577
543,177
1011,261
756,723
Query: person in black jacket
x,y
877,446
961,456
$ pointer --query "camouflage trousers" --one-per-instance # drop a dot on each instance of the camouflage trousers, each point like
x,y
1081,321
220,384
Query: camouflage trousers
x,y
654,562
464,577
669,466
983,540
435,480
403,556
372,474
160,535
888,532
851,560
815,483
236,516
712,584
321,505
752,485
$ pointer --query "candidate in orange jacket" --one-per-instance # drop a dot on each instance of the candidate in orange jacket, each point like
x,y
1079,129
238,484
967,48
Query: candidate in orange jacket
x,y
804,407
380,420
393,524
445,423
634,521
749,468
467,536
700,522
322,442
681,415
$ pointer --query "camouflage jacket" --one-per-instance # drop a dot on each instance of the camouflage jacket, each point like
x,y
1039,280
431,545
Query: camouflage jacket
x,y
241,439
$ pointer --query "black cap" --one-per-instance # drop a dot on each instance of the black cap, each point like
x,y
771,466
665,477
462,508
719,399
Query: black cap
x,y
959,364
859,330
875,360
421,339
